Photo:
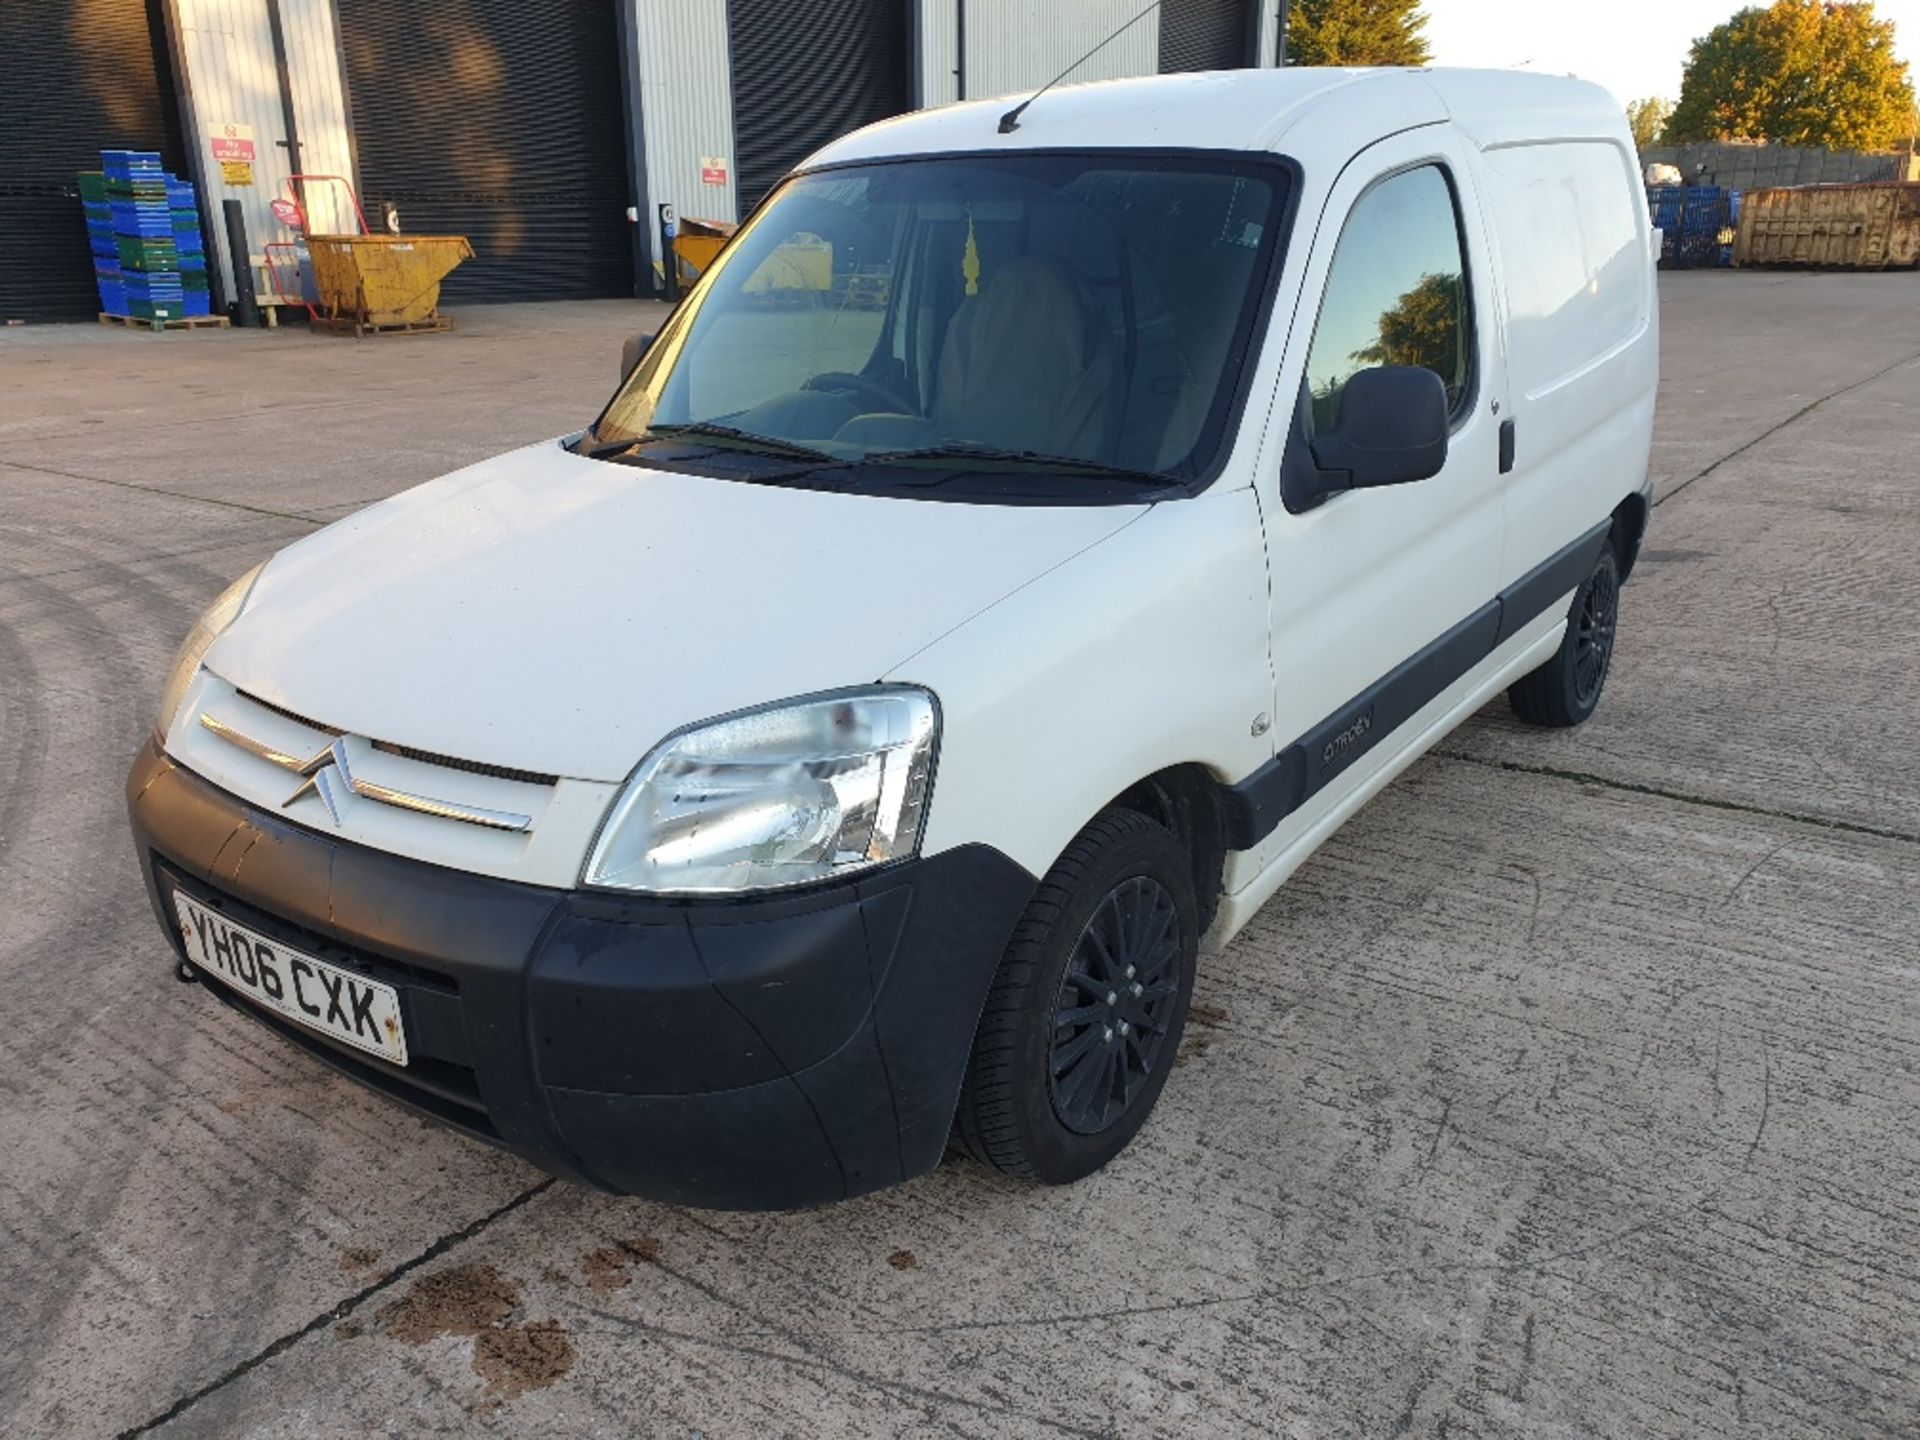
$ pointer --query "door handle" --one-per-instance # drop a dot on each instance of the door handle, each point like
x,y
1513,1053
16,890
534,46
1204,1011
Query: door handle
x,y
1506,447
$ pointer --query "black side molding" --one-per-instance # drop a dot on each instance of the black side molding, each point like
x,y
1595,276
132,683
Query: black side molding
x,y
1255,806
1529,596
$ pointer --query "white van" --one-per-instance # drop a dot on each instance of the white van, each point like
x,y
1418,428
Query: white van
x,y
1029,539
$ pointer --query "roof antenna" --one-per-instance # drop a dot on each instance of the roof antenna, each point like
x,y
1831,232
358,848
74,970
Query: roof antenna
x,y
1010,121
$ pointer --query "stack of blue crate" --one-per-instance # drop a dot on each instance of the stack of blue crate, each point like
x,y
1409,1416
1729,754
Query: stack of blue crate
x,y
188,245
106,254
137,202
1697,224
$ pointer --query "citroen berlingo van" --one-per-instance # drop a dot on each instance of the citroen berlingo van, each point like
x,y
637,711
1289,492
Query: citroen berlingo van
x,y
1028,540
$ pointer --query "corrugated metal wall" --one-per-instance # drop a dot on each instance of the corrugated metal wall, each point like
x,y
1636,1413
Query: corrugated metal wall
x,y
231,77
937,28
319,108
73,80
799,86
679,63
1267,41
686,107
1019,45
1205,35
504,122
1075,27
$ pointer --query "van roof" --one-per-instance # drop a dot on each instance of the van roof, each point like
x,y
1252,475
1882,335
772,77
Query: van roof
x,y
1309,113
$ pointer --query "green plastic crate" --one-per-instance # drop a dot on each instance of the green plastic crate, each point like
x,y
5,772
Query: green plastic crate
x,y
93,187
155,310
147,254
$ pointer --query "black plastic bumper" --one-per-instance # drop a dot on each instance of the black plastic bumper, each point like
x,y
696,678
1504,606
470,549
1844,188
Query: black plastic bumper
x,y
750,1054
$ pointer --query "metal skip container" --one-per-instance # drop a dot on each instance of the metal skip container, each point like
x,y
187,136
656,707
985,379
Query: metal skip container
x,y
383,284
1841,227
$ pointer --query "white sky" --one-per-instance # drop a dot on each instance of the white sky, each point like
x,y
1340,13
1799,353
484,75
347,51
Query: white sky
x,y
1633,47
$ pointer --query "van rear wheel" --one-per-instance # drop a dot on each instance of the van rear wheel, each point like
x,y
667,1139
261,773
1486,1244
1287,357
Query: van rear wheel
x,y
1086,1011
1565,690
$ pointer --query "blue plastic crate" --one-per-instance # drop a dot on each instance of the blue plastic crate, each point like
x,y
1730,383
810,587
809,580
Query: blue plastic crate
x,y
160,286
195,302
1696,224
113,296
135,164
131,218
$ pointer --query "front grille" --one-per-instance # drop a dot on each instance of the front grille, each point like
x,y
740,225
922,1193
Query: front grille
x,y
408,752
471,767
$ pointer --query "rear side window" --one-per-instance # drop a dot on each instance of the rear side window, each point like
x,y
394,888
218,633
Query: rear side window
x,y
1567,216
1396,293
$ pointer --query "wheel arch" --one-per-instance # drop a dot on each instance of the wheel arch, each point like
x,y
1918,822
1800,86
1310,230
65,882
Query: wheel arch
x,y
1185,799
1629,528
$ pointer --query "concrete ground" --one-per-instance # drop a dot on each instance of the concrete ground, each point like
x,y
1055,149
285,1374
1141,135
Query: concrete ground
x,y
1571,1090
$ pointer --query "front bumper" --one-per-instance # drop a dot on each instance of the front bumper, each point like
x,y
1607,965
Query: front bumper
x,y
759,1053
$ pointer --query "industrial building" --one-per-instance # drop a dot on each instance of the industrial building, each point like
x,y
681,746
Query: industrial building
x,y
547,131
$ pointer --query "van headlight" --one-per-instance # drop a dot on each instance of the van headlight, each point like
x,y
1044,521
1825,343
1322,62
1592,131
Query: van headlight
x,y
219,615
797,792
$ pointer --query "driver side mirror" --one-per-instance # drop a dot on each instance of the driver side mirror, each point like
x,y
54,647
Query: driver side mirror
x,y
631,352
1391,429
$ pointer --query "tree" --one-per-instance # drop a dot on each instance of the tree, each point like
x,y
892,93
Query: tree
x,y
1648,120
1356,32
1799,72
1423,328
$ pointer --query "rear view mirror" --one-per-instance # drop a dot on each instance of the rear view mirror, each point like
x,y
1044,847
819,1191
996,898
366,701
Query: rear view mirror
x,y
1391,429
631,352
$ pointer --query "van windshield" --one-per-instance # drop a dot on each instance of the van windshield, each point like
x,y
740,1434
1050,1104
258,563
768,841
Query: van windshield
x,y
1037,322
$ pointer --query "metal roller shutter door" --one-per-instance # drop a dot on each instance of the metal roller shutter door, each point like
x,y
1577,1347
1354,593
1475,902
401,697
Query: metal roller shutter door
x,y
73,81
503,121
1205,35
807,74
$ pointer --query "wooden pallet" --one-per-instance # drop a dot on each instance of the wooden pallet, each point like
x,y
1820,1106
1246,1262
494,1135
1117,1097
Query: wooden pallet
x,y
171,322
348,325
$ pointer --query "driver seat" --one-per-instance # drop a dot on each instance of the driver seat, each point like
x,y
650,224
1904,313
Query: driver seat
x,y
1027,364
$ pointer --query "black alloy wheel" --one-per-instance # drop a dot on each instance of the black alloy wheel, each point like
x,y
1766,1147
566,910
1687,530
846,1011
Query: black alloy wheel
x,y
1083,1018
1115,1006
1565,688
1594,624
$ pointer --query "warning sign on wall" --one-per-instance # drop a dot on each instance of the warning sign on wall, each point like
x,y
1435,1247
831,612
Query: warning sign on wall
x,y
713,169
232,147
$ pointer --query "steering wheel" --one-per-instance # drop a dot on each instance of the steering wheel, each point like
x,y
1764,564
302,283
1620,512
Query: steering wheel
x,y
842,381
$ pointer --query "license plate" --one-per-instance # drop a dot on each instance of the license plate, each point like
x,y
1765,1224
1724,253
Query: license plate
x,y
339,1004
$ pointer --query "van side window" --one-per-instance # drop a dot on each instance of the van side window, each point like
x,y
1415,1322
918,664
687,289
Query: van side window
x,y
1396,293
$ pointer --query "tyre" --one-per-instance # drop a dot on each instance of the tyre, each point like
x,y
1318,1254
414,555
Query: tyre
x,y
1565,690
1085,1013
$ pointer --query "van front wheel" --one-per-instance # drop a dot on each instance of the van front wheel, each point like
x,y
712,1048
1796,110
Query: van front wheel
x,y
1565,690
1086,1011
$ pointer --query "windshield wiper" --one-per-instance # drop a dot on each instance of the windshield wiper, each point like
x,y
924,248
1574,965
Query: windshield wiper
x,y
713,430
962,450
705,430
605,449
